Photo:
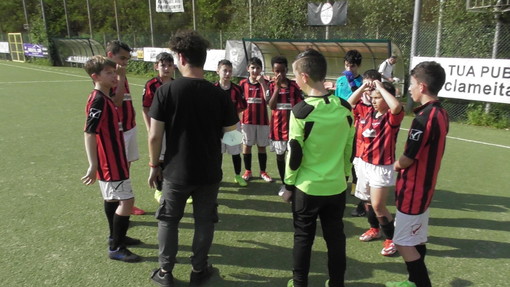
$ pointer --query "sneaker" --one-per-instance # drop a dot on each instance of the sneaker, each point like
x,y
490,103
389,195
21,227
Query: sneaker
x,y
128,241
189,200
282,190
137,211
371,234
247,175
123,254
266,177
240,180
327,283
389,248
359,211
166,280
290,283
157,195
199,278
400,284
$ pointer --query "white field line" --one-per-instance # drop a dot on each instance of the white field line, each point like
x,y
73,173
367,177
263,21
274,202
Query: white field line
x,y
472,141
42,82
53,72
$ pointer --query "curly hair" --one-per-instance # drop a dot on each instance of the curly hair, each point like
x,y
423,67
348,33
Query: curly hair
x,y
191,45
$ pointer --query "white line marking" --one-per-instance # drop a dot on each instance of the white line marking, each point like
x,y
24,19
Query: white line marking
x,y
39,82
472,141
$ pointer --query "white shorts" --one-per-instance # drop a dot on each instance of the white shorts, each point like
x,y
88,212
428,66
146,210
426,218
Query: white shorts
x,y
119,190
131,145
371,175
255,135
411,230
280,147
232,150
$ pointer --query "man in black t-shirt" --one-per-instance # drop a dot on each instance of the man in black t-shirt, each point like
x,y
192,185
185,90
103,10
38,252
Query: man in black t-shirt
x,y
193,114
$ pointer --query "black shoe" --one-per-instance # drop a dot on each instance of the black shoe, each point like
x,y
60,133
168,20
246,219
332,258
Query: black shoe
x,y
128,241
123,254
199,278
166,280
359,211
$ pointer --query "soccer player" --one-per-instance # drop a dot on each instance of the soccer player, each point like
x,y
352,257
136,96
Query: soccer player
x,y
104,145
255,121
285,94
378,130
166,68
224,71
320,146
120,53
193,114
418,169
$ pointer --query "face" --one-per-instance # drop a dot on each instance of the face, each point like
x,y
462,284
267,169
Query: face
x,y
121,58
298,77
378,102
107,77
165,69
225,72
392,60
254,70
353,68
280,69
415,89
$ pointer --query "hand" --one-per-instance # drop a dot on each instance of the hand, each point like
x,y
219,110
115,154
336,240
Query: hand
x,y
378,84
121,70
260,78
90,177
155,176
287,196
396,166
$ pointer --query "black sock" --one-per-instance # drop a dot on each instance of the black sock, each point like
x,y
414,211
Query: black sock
x,y
388,229
418,273
422,249
236,160
109,210
361,207
262,161
120,227
372,218
280,162
247,161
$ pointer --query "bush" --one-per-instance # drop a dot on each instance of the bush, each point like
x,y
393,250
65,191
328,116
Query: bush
x,y
141,68
498,116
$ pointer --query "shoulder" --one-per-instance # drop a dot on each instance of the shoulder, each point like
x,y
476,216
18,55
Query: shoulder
x,y
345,104
302,109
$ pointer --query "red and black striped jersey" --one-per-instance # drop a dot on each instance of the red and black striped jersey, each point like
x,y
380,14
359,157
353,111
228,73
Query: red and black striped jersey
x,y
425,144
236,95
103,120
380,137
128,111
360,113
150,90
288,97
256,111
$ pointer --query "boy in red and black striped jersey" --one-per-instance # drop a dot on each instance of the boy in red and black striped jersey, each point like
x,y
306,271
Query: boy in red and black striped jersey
x,y
417,170
236,95
378,127
255,120
285,94
104,144
166,68
120,53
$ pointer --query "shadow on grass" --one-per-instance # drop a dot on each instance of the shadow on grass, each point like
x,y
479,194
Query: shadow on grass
x,y
477,248
470,202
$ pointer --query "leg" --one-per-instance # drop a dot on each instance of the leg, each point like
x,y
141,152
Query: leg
x,y
280,163
379,196
331,216
262,158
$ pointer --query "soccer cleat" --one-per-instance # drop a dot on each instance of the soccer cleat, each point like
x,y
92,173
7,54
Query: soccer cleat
x,y
166,280
327,283
128,241
189,200
157,195
371,234
400,284
290,283
282,190
137,211
266,177
389,248
199,278
240,180
247,175
359,211
123,254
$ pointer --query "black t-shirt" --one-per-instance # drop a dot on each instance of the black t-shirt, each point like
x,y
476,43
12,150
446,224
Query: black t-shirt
x,y
194,112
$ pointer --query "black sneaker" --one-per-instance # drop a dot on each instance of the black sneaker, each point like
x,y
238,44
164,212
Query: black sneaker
x,y
166,280
199,278
359,211
128,241
123,254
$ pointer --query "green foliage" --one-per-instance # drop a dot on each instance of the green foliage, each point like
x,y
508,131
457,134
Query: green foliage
x,y
141,68
38,33
39,61
498,117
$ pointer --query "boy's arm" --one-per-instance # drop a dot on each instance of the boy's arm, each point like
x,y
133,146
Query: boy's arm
x,y
91,150
263,85
120,90
274,94
394,104
356,96
295,154
349,147
146,118
156,131
403,162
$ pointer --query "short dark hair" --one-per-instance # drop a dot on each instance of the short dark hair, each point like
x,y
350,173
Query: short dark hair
x,y
97,63
372,74
254,61
430,73
279,60
224,62
164,57
390,88
115,46
191,45
313,63
353,57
